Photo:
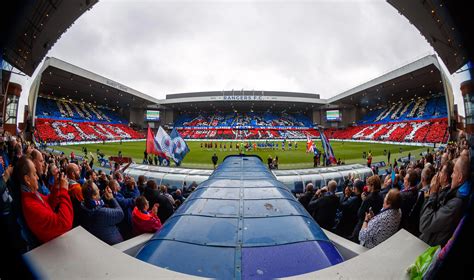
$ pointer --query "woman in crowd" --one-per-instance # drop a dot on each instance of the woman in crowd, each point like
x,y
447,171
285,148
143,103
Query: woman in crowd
x,y
377,229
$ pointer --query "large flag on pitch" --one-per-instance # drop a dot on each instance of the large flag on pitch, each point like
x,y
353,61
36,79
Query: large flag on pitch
x,y
327,148
152,146
179,148
163,141
309,144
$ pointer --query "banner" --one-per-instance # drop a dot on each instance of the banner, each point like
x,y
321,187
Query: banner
x,y
179,148
152,146
327,148
163,142
309,144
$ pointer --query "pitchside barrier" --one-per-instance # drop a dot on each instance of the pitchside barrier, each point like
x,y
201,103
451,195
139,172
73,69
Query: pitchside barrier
x,y
434,145
295,180
67,143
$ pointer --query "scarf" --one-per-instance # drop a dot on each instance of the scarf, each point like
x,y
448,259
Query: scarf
x,y
93,204
464,189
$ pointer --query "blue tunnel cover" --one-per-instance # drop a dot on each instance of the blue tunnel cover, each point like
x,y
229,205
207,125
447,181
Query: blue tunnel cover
x,y
241,223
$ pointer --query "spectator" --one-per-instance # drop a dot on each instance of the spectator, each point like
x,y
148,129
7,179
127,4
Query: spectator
x,y
164,192
46,216
214,160
6,197
127,204
444,181
53,171
378,228
152,194
100,217
370,200
307,196
91,175
141,184
324,205
409,195
144,221
414,216
178,196
441,214
75,191
130,189
38,161
387,183
102,182
350,204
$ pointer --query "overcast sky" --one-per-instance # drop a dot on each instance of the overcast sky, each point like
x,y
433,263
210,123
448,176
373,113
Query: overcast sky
x,y
163,47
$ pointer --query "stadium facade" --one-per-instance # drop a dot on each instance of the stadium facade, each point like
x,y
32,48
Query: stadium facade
x,y
70,104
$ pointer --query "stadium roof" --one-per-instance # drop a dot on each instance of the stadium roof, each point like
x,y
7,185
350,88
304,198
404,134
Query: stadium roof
x,y
31,28
60,79
443,32
419,78
242,100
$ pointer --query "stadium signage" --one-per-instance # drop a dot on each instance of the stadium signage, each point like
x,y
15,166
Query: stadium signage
x,y
242,97
116,85
243,127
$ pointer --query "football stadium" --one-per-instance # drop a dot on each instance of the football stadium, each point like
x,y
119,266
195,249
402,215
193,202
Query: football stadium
x,y
235,184
417,111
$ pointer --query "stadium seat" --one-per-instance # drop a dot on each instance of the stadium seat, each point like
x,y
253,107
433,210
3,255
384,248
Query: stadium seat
x,y
429,131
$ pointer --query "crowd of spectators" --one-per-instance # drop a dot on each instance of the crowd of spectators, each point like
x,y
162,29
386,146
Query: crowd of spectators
x,y
426,197
43,195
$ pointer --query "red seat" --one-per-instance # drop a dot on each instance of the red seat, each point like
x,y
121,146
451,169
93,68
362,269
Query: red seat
x,y
67,131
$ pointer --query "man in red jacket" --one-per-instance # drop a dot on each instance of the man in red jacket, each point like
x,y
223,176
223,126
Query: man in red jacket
x,y
38,210
142,220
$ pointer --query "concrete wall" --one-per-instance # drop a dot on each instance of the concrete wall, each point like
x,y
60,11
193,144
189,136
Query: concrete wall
x,y
68,255
316,117
168,116
348,116
138,116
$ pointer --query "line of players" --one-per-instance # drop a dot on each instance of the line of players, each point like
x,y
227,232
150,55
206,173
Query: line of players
x,y
249,146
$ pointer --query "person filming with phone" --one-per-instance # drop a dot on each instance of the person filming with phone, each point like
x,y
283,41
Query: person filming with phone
x,y
378,228
370,198
46,216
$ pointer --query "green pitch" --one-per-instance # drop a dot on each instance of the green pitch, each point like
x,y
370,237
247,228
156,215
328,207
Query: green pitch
x,y
349,152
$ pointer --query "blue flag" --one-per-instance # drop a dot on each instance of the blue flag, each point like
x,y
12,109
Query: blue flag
x,y
330,157
178,148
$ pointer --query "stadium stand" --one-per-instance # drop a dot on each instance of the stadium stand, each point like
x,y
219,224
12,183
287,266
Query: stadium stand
x,y
429,131
67,121
433,107
248,125
247,119
422,120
